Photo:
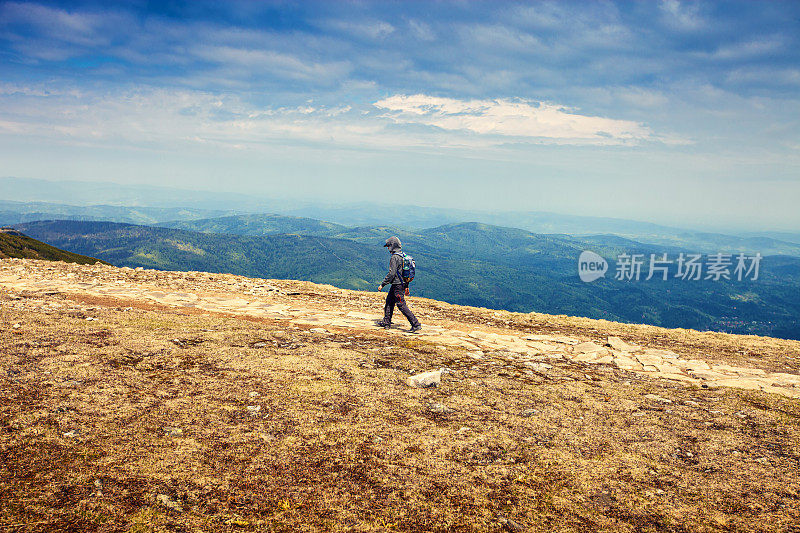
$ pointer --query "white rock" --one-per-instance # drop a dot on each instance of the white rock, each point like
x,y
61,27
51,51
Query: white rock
x,y
439,408
657,398
538,367
425,379
168,502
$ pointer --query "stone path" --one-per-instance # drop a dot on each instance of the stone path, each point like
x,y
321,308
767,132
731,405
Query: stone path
x,y
532,351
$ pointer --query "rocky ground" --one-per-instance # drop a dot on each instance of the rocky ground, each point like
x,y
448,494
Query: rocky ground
x,y
137,400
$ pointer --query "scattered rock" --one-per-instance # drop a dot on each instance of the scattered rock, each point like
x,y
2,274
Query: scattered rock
x,y
175,432
17,325
510,525
657,398
72,433
254,409
538,367
259,345
439,408
278,334
169,503
425,379
253,395
321,331
529,412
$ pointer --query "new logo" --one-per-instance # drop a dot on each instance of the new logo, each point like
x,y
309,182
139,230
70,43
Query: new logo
x,y
591,266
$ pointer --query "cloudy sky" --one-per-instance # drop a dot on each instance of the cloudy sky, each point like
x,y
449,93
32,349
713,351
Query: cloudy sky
x,y
685,113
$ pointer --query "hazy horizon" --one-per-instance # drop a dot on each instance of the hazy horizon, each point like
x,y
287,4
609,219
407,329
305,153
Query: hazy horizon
x,y
297,202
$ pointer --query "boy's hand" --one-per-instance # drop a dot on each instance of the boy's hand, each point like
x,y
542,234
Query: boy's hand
x,y
380,288
406,291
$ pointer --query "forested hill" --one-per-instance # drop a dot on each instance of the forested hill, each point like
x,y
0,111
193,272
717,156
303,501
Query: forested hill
x,y
13,244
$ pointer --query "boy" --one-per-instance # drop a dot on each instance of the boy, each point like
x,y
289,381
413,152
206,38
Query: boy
x,y
398,287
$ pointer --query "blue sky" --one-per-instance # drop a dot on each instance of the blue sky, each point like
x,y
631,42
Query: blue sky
x,y
685,113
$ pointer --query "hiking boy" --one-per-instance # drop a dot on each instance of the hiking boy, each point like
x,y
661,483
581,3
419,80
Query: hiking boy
x,y
398,287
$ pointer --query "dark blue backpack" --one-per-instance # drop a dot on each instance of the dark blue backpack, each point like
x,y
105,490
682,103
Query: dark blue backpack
x,y
409,268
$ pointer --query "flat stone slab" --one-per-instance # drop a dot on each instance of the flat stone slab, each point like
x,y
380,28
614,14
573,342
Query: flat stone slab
x,y
648,359
587,347
627,363
618,344
658,352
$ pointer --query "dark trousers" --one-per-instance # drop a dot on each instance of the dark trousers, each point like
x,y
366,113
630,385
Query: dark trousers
x,y
397,297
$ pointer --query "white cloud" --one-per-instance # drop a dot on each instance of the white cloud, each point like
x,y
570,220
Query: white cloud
x,y
757,74
270,62
179,119
683,16
421,30
82,29
512,118
500,36
750,49
374,30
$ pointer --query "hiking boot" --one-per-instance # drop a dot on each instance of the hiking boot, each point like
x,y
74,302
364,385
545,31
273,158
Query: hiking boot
x,y
416,328
384,324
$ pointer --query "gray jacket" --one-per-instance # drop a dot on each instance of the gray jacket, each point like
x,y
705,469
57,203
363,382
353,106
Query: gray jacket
x,y
395,275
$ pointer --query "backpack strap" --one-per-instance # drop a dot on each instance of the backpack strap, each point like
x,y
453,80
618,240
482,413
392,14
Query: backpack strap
x,y
400,268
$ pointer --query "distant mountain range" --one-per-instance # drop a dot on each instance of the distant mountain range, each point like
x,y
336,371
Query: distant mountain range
x,y
16,212
467,263
265,224
74,200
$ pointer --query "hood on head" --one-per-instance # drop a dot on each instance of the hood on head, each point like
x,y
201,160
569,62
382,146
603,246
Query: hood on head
x,y
393,244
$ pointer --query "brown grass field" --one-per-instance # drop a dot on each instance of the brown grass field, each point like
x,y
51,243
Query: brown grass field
x,y
153,418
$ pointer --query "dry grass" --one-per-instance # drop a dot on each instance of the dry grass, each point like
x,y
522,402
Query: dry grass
x,y
261,426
